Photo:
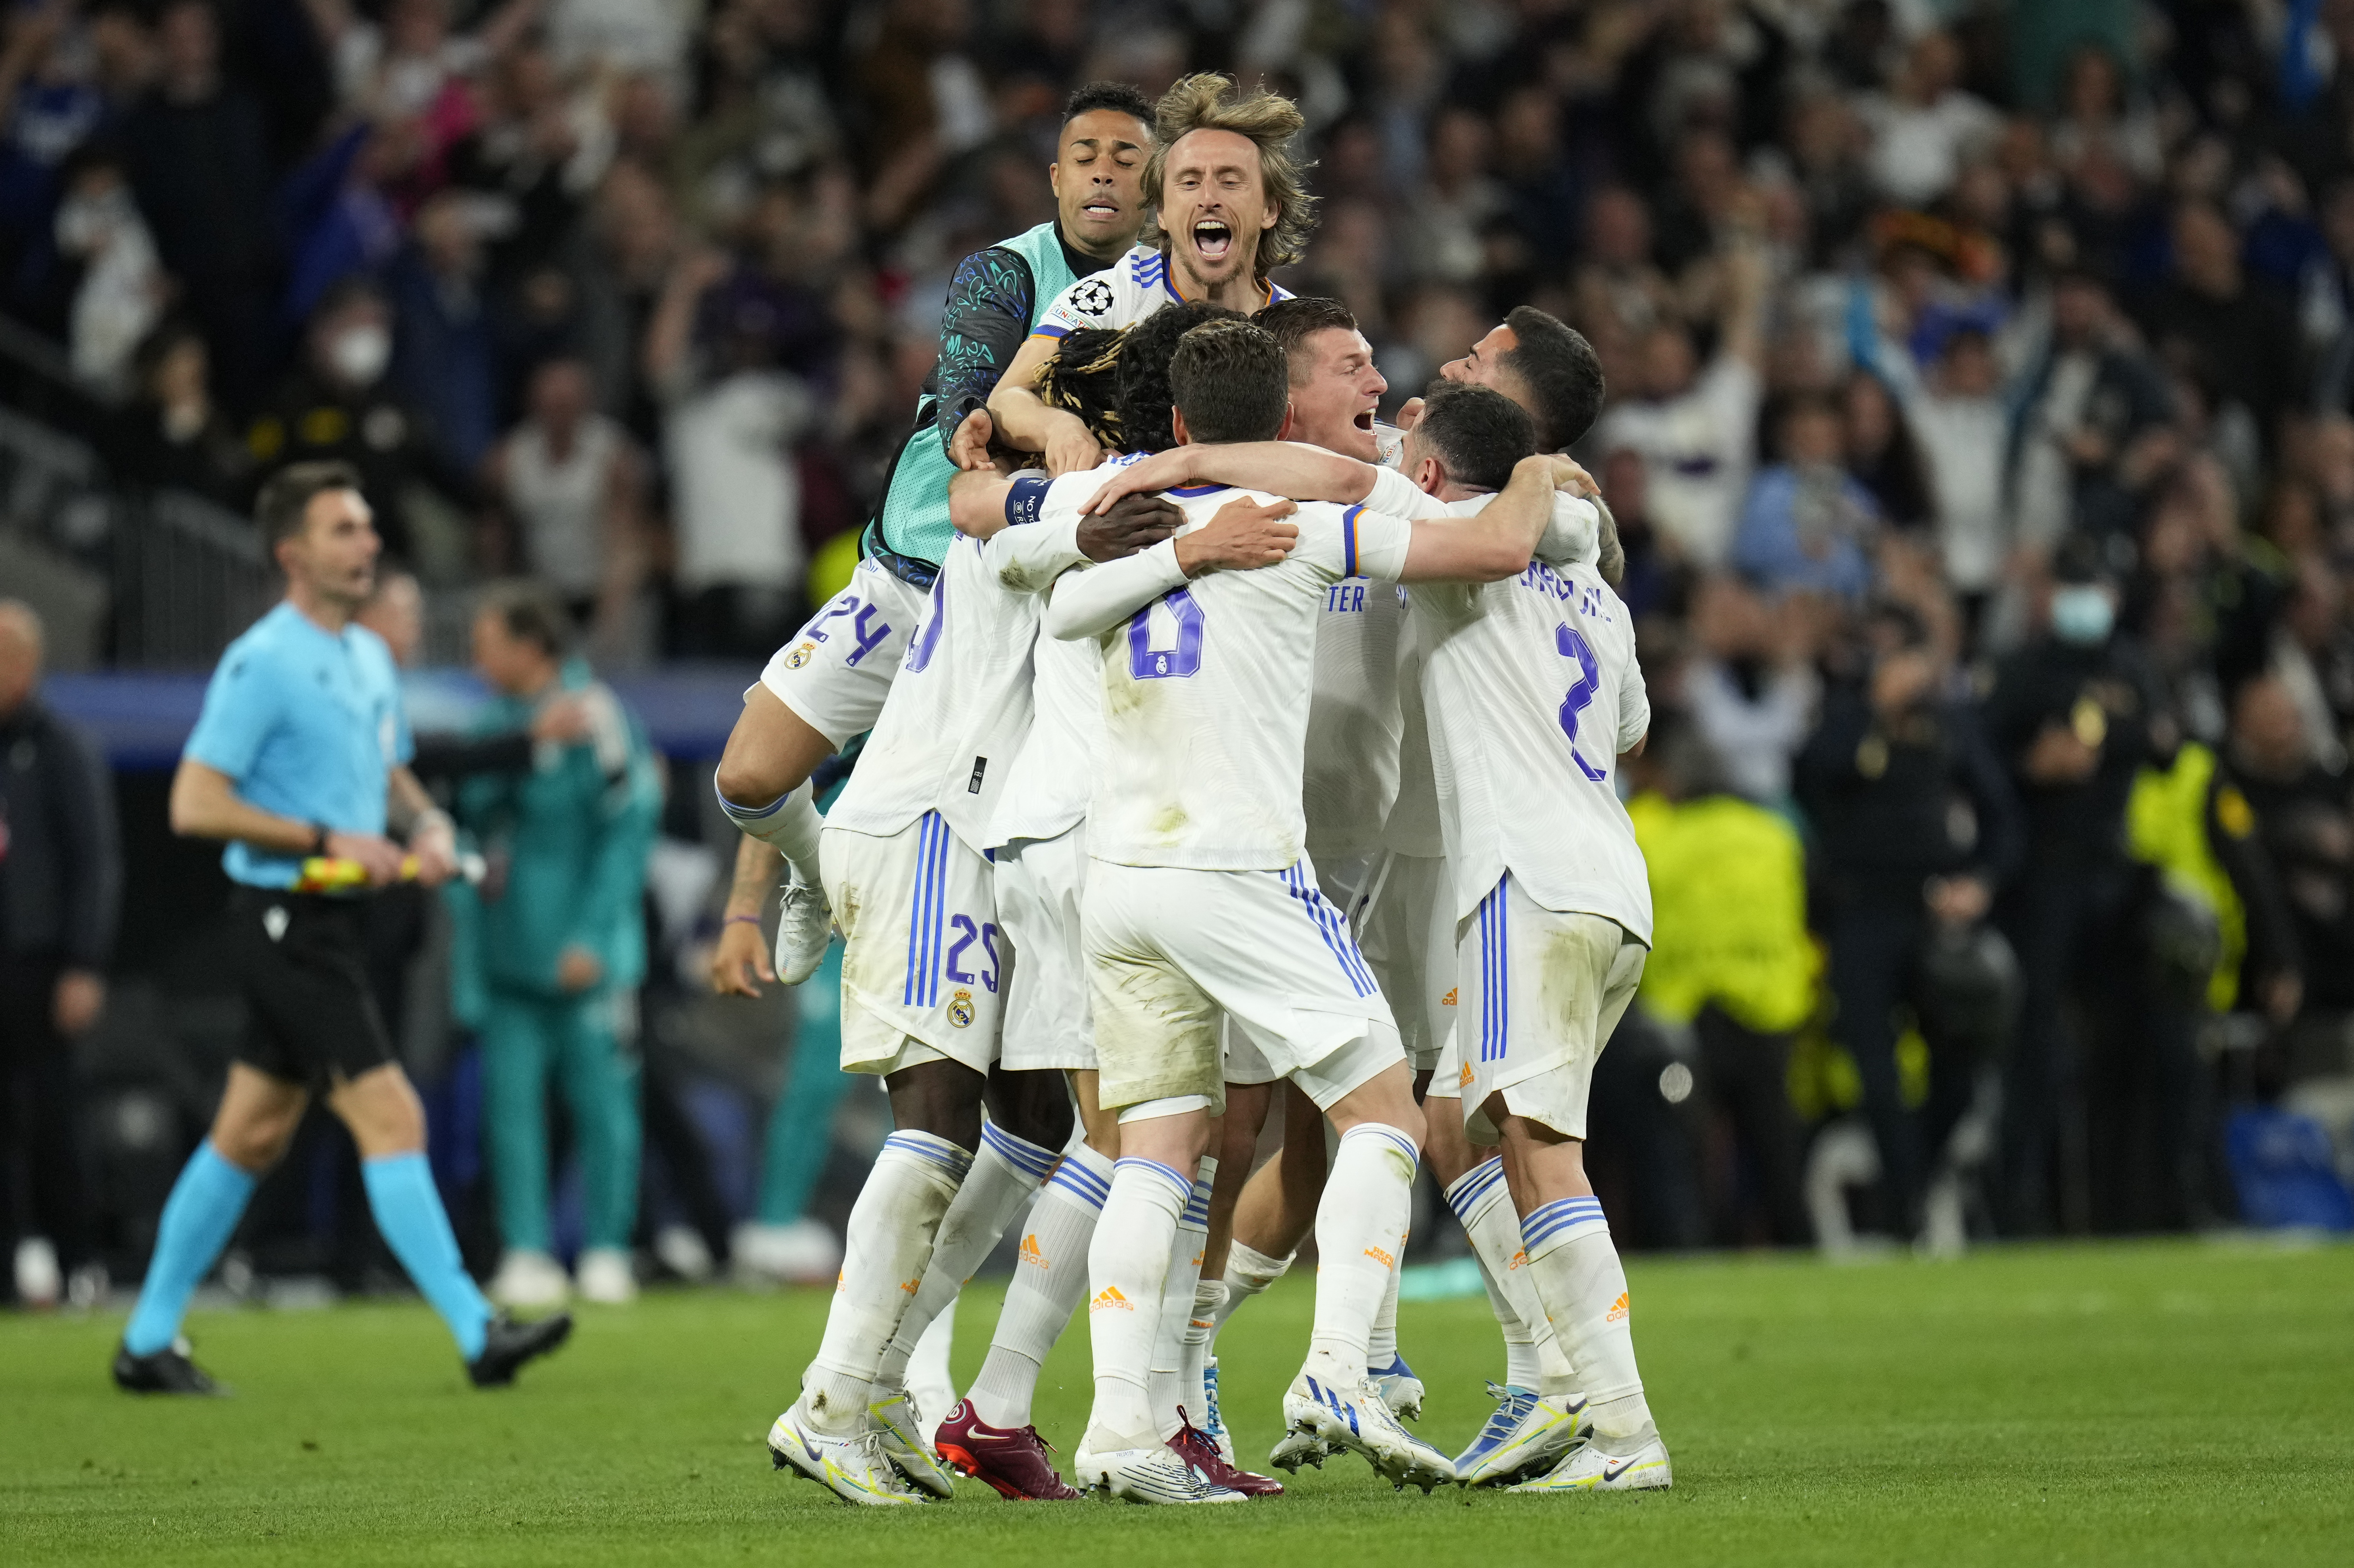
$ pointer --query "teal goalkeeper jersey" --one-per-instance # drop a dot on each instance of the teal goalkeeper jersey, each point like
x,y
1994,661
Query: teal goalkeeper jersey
x,y
997,297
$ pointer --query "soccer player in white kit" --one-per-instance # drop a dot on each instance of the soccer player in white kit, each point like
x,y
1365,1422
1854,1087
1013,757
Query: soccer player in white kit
x,y
1200,903
1532,691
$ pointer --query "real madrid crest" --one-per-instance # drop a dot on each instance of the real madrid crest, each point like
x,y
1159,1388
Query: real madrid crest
x,y
960,1008
799,656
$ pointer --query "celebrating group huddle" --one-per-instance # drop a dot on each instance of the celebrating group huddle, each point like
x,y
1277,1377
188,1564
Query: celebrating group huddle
x,y
1244,757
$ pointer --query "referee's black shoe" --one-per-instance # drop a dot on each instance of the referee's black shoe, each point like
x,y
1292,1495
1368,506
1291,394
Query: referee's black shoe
x,y
507,1345
167,1371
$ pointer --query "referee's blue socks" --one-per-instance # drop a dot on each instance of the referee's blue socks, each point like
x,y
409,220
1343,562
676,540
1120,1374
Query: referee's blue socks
x,y
198,1219
408,1209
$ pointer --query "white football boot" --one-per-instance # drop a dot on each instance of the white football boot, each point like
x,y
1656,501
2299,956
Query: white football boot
x,y
1400,1389
900,1430
1155,1475
607,1276
1531,1433
805,930
1356,1419
853,1468
1589,1469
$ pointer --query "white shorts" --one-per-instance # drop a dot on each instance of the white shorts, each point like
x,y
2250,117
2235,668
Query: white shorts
x,y
1542,992
1171,950
1039,885
924,963
836,672
1408,933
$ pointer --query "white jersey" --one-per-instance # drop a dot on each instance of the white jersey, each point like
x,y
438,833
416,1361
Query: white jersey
x,y
1054,775
958,709
1205,690
1122,294
1532,690
1354,719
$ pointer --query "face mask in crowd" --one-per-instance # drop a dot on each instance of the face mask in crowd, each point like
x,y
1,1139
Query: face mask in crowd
x,y
359,354
2081,614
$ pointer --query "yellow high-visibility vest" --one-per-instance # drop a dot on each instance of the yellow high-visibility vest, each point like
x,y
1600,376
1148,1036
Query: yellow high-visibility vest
x,y
1728,912
2166,827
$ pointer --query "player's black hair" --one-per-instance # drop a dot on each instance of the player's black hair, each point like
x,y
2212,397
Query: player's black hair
x,y
529,613
1476,433
1124,98
1292,322
1117,379
284,504
1230,382
1561,372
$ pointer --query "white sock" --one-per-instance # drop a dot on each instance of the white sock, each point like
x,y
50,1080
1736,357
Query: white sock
x,y
1249,1271
1049,1279
1127,1264
931,1382
1361,1225
1209,1296
1484,1204
889,1242
1381,1343
1584,1292
1172,1402
789,822
1004,1174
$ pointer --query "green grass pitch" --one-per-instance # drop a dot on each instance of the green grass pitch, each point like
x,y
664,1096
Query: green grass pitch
x,y
2179,1402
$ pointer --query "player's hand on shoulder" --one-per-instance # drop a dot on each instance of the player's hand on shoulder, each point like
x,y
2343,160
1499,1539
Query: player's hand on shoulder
x,y
376,855
1069,448
969,448
1145,476
1132,523
1572,477
1244,536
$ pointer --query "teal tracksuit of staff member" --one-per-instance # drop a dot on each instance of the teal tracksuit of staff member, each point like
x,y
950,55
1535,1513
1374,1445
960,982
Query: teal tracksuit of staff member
x,y
567,844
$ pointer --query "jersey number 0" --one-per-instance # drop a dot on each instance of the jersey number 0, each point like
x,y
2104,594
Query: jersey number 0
x,y
1147,662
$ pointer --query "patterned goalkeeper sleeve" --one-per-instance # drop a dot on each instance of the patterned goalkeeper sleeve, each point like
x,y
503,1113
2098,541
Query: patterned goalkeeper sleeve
x,y
987,318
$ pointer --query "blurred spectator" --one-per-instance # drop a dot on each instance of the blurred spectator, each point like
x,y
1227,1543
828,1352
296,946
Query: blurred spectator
x,y
2213,319
1925,122
1882,455
2072,715
171,434
572,485
337,406
733,411
2312,657
199,162
121,291
1694,426
442,363
60,887
1957,412
51,107
1917,829
2092,429
2306,820
1808,524
1750,683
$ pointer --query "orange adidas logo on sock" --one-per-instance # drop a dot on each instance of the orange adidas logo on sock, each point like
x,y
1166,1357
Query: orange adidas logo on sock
x,y
1448,999
1109,1298
912,1286
1519,1259
1618,1309
1032,1252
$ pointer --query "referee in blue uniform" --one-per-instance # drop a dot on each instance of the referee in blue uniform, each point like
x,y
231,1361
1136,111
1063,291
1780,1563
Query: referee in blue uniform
x,y
301,750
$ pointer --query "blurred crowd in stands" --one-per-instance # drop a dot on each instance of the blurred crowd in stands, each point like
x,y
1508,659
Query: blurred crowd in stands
x,y
1980,432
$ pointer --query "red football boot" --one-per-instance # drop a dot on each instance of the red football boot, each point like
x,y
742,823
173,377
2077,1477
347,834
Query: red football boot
x,y
1013,1460
1201,1450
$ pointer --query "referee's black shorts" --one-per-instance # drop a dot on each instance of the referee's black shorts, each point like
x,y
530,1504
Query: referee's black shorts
x,y
302,961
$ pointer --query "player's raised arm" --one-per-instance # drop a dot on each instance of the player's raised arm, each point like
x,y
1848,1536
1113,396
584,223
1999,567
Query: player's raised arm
x,y
1496,543
1244,535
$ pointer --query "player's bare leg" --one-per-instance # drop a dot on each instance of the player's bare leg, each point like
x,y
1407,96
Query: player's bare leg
x,y
762,782
1583,1288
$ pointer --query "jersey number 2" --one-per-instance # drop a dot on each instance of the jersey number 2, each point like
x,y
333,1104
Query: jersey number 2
x,y
1147,662
1583,689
